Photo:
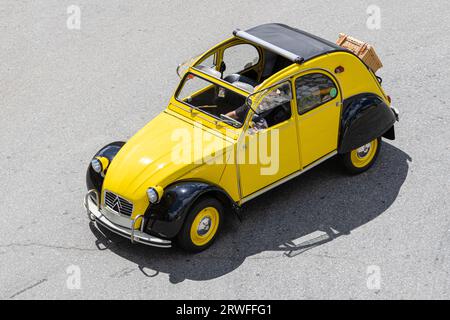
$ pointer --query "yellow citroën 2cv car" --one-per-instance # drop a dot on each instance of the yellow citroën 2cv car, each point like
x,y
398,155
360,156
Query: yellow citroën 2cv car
x,y
251,113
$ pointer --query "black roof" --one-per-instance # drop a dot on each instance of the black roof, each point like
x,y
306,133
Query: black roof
x,y
298,42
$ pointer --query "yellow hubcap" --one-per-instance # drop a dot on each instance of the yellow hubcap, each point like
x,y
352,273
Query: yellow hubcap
x,y
204,226
361,157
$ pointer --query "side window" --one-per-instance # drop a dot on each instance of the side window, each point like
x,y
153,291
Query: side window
x,y
274,106
314,90
208,62
240,57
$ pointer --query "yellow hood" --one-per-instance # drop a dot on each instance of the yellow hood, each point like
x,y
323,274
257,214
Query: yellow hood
x,y
148,158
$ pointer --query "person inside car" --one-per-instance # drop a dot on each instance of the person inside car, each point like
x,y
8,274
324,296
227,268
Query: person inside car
x,y
274,99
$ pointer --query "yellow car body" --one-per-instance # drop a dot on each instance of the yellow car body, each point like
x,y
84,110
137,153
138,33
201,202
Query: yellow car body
x,y
305,139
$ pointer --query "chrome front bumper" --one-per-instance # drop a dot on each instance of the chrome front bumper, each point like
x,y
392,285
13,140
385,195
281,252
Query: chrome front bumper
x,y
94,213
396,112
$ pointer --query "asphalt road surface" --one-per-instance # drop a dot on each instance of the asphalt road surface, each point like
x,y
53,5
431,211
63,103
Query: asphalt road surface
x,y
65,92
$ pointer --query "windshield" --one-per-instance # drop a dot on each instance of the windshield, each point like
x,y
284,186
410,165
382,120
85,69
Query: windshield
x,y
210,98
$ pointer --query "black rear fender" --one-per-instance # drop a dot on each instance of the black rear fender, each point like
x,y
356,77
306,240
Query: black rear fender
x,y
365,118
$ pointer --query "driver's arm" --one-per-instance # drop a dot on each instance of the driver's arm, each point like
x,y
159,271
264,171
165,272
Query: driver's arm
x,y
232,114
238,114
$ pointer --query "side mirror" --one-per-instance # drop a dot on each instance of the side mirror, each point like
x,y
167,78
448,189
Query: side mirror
x,y
183,67
251,129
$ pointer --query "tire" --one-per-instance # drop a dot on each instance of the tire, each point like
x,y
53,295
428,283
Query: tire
x,y
362,159
202,225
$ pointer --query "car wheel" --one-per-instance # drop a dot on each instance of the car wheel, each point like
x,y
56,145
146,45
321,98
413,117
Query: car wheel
x,y
362,159
202,225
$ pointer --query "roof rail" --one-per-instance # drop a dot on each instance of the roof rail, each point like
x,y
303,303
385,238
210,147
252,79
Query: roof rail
x,y
280,51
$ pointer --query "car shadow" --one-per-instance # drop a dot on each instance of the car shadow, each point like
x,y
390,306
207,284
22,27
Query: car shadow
x,y
321,205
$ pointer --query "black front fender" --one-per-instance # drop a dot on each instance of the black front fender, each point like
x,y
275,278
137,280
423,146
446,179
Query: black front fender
x,y
95,180
166,218
365,118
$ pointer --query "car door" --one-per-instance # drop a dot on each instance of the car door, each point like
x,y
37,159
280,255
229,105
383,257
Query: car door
x,y
319,104
269,152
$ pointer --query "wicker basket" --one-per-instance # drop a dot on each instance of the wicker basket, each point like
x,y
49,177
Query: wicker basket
x,y
362,49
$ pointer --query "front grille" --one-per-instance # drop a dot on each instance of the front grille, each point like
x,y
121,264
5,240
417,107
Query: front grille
x,y
118,204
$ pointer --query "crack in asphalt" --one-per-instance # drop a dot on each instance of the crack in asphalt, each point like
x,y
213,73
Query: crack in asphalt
x,y
123,273
43,245
28,288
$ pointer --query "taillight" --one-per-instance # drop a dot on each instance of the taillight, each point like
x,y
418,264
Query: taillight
x,y
389,99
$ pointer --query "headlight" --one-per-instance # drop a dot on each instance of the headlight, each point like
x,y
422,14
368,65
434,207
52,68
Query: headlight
x,y
155,194
100,164
152,195
96,165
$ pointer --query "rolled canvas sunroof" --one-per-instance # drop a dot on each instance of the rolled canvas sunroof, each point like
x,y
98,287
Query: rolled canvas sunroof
x,y
295,44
